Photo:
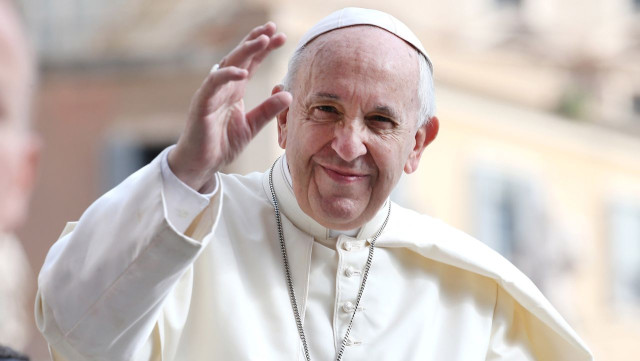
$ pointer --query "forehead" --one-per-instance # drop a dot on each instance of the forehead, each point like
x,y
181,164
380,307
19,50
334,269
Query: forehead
x,y
367,43
14,65
360,34
361,56
12,40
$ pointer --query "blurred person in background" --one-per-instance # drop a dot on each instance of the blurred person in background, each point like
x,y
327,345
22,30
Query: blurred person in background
x,y
7,354
181,262
19,150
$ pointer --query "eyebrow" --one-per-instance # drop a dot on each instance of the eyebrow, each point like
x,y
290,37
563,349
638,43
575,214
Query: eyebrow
x,y
324,95
386,110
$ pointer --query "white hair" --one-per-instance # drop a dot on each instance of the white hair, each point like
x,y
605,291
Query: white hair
x,y
426,90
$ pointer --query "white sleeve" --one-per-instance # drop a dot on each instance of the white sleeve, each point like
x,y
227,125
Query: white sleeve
x,y
102,286
183,202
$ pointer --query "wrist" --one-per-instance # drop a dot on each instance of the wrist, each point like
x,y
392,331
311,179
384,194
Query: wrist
x,y
201,179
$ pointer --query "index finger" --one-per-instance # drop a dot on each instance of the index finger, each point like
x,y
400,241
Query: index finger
x,y
268,29
275,42
254,42
241,56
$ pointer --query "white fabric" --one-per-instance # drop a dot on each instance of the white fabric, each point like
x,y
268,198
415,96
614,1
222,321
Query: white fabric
x,y
15,289
125,284
360,16
183,202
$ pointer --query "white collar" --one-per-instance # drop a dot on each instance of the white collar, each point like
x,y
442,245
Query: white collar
x,y
289,206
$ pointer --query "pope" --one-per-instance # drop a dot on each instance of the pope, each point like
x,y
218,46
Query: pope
x,y
308,260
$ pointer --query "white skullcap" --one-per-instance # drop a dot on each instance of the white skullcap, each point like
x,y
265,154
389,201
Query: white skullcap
x,y
359,16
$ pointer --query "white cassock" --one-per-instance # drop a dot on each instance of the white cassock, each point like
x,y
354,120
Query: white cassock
x,y
15,293
139,279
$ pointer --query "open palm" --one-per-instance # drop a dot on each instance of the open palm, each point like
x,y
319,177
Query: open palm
x,y
218,128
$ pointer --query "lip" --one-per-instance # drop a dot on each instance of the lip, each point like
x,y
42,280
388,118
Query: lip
x,y
343,176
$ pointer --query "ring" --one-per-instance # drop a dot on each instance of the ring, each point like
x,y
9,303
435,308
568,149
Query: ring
x,y
214,68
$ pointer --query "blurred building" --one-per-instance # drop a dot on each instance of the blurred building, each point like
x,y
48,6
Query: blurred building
x,y
538,154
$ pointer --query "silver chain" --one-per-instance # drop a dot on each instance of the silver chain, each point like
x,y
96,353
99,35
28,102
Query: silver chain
x,y
287,271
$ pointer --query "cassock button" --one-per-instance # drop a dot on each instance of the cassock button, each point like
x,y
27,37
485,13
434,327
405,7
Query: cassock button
x,y
353,245
348,307
351,342
350,272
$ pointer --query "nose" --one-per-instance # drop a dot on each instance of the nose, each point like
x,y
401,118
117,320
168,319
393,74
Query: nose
x,y
348,141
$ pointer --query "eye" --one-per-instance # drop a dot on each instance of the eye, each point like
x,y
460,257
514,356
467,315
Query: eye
x,y
381,122
327,109
325,113
380,118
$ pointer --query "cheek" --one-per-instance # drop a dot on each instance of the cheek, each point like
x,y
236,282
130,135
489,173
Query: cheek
x,y
313,137
299,151
10,190
8,157
390,162
7,174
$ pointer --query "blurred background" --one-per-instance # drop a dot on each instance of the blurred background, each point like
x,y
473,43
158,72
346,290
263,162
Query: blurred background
x,y
538,153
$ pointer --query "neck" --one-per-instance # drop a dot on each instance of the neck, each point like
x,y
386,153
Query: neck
x,y
289,206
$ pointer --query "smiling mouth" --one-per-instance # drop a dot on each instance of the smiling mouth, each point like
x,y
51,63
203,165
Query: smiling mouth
x,y
343,176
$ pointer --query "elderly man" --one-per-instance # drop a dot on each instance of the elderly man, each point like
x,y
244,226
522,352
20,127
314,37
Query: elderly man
x,y
309,260
19,151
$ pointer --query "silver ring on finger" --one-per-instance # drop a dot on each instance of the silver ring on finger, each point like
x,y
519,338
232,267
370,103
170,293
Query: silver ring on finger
x,y
214,68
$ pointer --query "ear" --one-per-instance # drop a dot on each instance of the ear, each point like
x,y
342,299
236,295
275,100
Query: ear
x,y
424,136
282,119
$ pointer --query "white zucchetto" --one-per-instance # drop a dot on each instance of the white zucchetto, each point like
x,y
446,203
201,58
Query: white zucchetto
x,y
360,16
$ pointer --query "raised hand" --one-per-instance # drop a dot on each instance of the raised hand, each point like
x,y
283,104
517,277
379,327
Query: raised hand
x,y
218,127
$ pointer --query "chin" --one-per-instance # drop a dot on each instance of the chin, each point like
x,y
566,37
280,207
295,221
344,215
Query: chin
x,y
341,214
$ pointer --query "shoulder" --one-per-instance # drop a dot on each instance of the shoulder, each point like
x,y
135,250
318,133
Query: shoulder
x,y
420,232
440,242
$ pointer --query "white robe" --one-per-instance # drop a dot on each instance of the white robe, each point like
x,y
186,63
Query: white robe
x,y
137,280
15,293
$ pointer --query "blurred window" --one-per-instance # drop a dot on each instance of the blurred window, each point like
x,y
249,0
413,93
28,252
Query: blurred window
x,y
66,30
636,103
510,215
503,210
624,232
125,157
509,3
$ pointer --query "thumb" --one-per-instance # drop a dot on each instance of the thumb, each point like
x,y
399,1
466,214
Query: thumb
x,y
263,113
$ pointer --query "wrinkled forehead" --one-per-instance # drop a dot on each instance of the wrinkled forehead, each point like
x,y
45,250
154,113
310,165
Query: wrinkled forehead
x,y
361,64
369,48
15,67
356,35
371,37
13,43
10,29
